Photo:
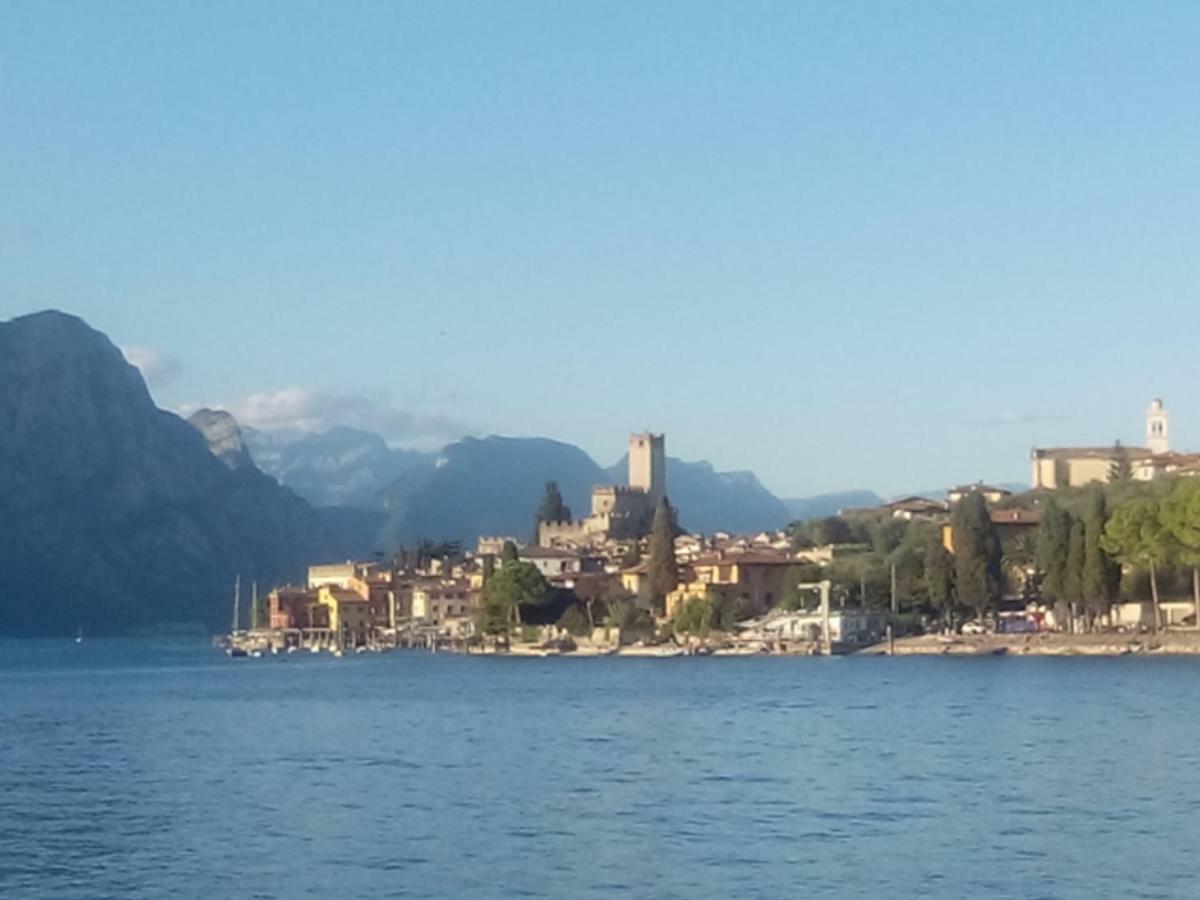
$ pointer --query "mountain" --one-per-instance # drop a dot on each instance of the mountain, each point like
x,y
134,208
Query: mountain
x,y
710,501
223,436
339,467
822,505
116,514
486,486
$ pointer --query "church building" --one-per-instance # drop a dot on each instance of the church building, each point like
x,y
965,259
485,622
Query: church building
x,y
1055,467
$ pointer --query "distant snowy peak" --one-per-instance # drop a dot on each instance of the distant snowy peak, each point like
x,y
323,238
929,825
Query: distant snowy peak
x,y
338,467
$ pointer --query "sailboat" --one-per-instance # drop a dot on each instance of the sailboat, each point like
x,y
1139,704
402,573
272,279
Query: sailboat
x,y
234,648
79,635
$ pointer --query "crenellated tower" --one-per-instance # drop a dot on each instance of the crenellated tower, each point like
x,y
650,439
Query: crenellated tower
x,y
648,465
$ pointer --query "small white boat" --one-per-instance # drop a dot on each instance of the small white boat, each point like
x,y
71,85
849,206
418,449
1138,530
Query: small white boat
x,y
79,635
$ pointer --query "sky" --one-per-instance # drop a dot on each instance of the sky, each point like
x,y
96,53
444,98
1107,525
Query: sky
x,y
844,245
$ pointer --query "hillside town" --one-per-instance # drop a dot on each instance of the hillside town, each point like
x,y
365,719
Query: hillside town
x,y
915,574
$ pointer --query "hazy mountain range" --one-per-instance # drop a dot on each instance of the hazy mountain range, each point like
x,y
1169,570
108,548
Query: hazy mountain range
x,y
491,485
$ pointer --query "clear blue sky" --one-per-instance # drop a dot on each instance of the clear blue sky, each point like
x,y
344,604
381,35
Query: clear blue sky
x,y
886,245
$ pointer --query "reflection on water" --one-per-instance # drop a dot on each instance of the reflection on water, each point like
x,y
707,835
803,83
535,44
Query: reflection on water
x,y
153,769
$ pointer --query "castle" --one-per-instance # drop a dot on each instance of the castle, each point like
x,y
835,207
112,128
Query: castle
x,y
1055,467
619,512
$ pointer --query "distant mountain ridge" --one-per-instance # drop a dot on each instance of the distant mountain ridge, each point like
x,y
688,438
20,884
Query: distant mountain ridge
x,y
491,485
824,505
338,467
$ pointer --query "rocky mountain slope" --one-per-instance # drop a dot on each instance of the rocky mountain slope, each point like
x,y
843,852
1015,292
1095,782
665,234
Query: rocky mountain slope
x,y
116,514
339,467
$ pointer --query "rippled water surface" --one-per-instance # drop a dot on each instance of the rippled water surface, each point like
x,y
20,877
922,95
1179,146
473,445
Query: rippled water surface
x,y
156,769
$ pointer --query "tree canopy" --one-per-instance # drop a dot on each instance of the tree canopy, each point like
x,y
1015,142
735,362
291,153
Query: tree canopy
x,y
663,571
977,554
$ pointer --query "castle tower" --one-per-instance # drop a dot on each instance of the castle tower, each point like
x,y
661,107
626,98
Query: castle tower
x,y
1156,428
648,464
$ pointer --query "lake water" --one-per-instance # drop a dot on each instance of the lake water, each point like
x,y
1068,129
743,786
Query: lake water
x,y
162,768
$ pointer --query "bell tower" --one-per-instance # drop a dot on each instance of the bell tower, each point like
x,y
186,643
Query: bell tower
x,y
1156,428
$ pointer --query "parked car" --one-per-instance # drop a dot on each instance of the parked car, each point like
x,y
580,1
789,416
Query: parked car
x,y
974,627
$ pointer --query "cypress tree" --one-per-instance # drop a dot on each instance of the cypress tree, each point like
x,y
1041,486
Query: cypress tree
x,y
939,578
1097,582
1120,468
551,509
663,571
1053,542
1076,552
977,554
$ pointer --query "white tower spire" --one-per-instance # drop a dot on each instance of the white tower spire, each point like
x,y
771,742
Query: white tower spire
x,y
1156,428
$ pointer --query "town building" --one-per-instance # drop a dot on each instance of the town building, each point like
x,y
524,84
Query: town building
x,y
847,627
910,508
1057,467
1011,526
438,601
347,615
290,608
754,580
990,494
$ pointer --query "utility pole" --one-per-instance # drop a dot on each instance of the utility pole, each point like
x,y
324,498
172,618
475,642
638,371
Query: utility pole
x,y
891,629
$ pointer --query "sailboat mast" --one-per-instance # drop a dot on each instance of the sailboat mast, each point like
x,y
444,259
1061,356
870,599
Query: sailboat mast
x,y
237,599
254,606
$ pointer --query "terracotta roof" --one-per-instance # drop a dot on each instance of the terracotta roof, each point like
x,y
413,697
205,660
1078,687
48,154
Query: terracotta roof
x,y
546,553
1088,452
978,488
1016,516
757,558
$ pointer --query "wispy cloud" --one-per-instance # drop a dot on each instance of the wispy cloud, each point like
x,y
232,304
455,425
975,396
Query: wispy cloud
x,y
1013,418
298,409
157,368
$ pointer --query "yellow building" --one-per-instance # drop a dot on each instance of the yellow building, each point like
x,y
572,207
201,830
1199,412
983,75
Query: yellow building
x,y
349,614
756,581
1058,467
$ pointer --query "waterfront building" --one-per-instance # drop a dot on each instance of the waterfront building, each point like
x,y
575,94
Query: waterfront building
x,y
436,601
338,575
755,580
290,607
346,614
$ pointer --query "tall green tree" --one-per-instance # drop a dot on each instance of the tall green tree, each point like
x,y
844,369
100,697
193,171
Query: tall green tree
x,y
977,554
663,570
1120,468
939,579
1053,540
1136,536
1073,580
552,508
1101,574
1179,513
509,553
515,585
